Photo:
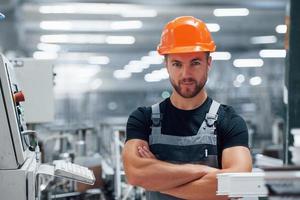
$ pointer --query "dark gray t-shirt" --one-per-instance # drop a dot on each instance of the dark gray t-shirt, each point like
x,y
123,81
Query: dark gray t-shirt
x,y
231,128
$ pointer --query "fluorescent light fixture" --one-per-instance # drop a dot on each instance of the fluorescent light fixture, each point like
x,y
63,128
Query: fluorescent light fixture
x,y
237,84
139,63
153,53
57,25
263,39
123,10
157,75
240,78
95,84
228,12
140,13
75,72
281,28
133,68
122,74
86,39
221,55
155,60
90,25
98,60
48,47
248,62
256,80
213,27
74,38
40,55
123,25
2,16
272,53
151,78
120,40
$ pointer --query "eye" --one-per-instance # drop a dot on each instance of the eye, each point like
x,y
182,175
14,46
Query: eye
x,y
196,63
176,64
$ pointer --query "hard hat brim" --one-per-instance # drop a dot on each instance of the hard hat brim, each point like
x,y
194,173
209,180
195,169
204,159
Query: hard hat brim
x,y
187,49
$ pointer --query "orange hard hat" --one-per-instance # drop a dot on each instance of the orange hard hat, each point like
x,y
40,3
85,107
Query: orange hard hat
x,y
185,34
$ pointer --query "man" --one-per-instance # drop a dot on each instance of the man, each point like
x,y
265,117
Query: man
x,y
175,148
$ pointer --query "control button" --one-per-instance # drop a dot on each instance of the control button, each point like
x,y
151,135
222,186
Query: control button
x,y
19,97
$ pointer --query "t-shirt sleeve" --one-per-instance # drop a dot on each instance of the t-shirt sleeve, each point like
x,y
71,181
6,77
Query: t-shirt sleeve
x,y
138,124
235,130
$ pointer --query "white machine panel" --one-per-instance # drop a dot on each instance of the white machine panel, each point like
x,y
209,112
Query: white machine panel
x,y
36,79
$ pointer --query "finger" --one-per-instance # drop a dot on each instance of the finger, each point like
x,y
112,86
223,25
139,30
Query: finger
x,y
143,153
151,155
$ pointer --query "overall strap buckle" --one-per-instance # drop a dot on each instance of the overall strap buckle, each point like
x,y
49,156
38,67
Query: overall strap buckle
x,y
212,116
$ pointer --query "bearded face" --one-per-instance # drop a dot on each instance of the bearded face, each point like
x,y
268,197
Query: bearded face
x,y
188,72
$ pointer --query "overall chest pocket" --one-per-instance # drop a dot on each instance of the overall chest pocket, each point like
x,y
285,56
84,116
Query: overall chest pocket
x,y
183,154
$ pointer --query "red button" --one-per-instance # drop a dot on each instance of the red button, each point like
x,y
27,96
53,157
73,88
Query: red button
x,y
19,97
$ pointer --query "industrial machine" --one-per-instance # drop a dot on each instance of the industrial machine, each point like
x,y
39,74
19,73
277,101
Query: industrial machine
x,y
20,167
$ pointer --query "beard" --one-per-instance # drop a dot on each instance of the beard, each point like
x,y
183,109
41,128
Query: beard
x,y
193,88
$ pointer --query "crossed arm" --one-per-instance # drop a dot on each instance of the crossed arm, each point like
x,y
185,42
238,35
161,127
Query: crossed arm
x,y
186,181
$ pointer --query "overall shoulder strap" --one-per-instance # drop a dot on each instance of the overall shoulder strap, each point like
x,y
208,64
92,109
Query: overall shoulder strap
x,y
155,116
212,116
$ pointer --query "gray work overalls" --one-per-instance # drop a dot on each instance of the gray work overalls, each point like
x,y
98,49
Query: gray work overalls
x,y
198,149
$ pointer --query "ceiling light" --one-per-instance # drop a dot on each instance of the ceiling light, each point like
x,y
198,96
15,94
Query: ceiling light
x,y
155,60
120,40
133,68
44,55
86,39
255,80
48,47
236,83
213,27
153,53
74,38
75,72
281,28
2,16
221,55
122,25
123,10
90,25
226,12
240,78
140,13
151,78
272,53
263,39
248,62
142,64
98,60
122,74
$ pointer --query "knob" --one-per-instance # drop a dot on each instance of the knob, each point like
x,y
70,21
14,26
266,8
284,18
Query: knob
x,y
19,97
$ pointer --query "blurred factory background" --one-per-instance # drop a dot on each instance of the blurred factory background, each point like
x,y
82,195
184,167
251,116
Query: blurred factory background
x,y
105,64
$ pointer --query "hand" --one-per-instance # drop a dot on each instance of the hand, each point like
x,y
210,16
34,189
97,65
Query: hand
x,y
144,152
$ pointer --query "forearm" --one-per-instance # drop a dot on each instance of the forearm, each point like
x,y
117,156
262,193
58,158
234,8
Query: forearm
x,y
157,175
202,189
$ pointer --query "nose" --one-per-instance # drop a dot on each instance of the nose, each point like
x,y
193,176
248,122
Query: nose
x,y
186,72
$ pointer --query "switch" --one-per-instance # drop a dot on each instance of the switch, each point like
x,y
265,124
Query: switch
x,y
19,97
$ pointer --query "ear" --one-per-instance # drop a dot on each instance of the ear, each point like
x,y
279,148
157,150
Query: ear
x,y
209,60
166,65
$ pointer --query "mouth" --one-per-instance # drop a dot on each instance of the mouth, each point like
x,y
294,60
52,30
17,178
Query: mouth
x,y
188,83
